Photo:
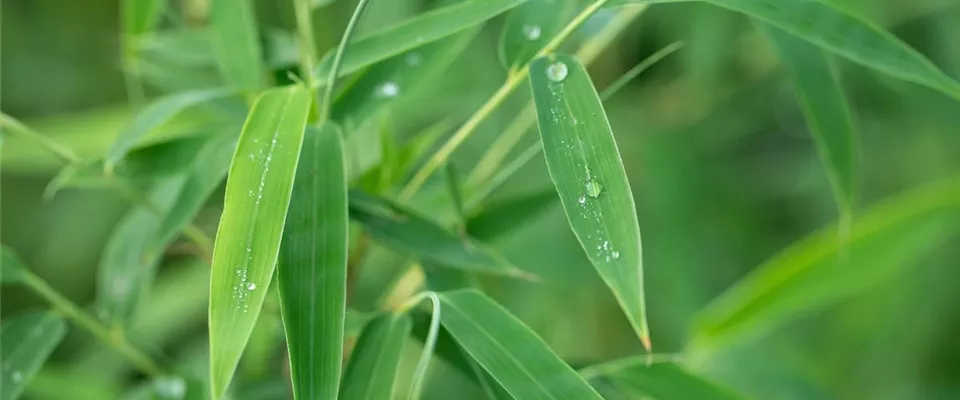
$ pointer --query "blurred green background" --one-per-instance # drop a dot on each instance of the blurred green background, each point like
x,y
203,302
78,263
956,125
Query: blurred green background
x,y
723,168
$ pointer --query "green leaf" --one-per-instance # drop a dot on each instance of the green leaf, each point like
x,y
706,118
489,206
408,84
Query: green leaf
x,y
26,341
429,27
818,88
529,27
504,216
659,380
313,265
825,267
456,191
206,172
126,269
140,16
404,231
11,268
181,47
372,370
236,43
842,33
506,348
153,116
586,168
248,239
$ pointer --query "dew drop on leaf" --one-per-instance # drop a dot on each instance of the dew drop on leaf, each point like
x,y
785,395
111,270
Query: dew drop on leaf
x,y
582,200
531,32
557,71
252,286
388,89
594,188
615,255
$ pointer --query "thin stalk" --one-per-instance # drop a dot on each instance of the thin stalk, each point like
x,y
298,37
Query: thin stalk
x,y
338,60
117,341
67,155
429,344
640,68
513,80
308,56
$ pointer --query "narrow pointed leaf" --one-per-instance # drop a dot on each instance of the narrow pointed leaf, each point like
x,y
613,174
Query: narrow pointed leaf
x,y
828,114
126,269
842,33
822,268
373,365
208,170
26,341
586,168
236,42
313,265
404,231
506,348
431,26
258,192
153,116
11,268
529,27
641,378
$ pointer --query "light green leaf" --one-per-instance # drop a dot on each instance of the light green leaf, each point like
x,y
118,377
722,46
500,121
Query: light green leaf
x,y
26,341
207,171
126,269
818,88
431,26
842,33
506,348
586,168
236,42
153,116
824,268
258,193
11,268
313,265
404,231
140,16
372,370
530,26
659,380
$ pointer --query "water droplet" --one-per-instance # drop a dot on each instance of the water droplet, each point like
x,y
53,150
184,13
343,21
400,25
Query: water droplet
x,y
412,59
615,255
531,32
252,286
17,376
388,89
594,188
170,387
582,200
557,71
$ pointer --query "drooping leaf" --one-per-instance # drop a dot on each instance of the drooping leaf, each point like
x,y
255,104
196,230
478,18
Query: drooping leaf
x,y
529,27
372,369
641,378
155,115
839,32
415,32
26,341
11,268
236,42
126,269
512,353
313,265
207,171
404,231
258,193
822,268
585,166
827,112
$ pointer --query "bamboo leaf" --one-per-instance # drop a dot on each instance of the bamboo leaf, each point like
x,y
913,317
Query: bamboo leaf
x,y
11,268
529,27
372,370
586,168
519,360
236,42
839,32
126,269
140,16
26,341
504,216
206,172
258,193
313,265
415,32
660,380
456,192
828,114
153,116
883,241
404,231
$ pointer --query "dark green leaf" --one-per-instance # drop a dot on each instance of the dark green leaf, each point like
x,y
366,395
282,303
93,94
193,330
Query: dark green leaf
x,y
504,216
11,268
372,370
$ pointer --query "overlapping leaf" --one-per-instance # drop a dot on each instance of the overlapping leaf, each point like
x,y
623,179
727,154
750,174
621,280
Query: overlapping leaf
x,y
638,377
372,370
26,342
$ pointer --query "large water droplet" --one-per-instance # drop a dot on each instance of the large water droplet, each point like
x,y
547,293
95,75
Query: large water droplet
x,y
594,188
388,89
615,255
252,286
557,71
582,200
531,32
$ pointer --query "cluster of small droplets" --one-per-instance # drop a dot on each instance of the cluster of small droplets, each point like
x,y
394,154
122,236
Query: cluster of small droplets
x,y
607,252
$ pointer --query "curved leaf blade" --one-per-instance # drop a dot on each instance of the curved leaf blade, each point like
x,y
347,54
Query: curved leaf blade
x,y
372,369
585,166
313,266
236,43
26,342
258,193
506,348
659,380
